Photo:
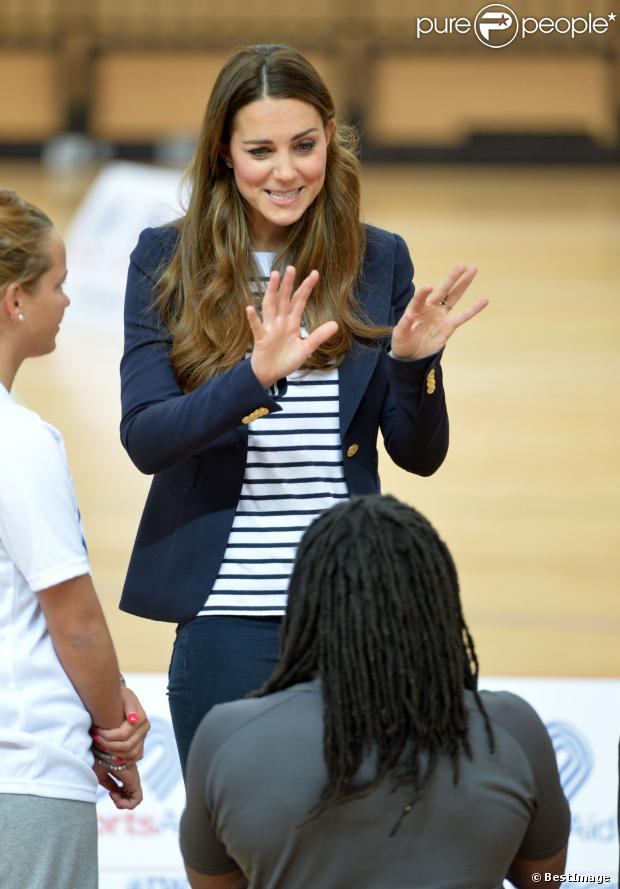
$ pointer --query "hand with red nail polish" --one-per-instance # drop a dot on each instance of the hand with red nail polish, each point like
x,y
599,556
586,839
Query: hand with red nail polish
x,y
127,740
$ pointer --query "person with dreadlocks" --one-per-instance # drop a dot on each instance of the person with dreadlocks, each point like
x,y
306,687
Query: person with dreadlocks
x,y
370,759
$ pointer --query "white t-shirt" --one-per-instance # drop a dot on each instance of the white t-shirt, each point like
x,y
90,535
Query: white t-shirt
x,y
44,740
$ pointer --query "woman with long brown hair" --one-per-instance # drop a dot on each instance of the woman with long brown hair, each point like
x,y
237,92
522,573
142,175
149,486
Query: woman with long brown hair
x,y
256,404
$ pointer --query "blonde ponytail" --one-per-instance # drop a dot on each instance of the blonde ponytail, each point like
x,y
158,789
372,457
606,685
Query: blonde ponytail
x,y
23,257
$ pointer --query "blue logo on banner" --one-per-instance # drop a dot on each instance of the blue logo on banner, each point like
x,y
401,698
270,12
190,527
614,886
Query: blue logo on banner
x,y
160,768
573,754
159,883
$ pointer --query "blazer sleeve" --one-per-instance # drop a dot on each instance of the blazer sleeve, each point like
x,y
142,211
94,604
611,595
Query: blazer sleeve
x,y
161,425
414,419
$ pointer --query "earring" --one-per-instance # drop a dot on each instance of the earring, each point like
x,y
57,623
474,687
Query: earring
x,y
229,164
20,316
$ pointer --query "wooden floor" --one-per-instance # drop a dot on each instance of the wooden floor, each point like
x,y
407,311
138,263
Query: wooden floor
x,y
528,498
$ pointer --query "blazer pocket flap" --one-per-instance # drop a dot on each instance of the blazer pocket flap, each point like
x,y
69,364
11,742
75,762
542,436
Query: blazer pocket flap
x,y
183,474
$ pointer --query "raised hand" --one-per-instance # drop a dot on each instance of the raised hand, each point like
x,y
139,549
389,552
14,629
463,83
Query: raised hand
x,y
427,325
278,346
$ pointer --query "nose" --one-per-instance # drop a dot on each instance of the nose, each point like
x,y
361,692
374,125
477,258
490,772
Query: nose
x,y
285,169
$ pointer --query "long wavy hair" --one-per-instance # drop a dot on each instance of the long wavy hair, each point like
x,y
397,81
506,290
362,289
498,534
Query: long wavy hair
x,y
206,287
374,609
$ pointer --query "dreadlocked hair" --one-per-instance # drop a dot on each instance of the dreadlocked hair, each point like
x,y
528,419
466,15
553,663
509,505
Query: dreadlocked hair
x,y
374,608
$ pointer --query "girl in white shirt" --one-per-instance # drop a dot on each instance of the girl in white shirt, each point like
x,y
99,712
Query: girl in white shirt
x,y
59,674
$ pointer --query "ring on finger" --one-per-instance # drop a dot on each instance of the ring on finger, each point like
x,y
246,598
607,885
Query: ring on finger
x,y
445,304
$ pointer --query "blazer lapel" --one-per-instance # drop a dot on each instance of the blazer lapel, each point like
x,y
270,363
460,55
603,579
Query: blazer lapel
x,y
359,365
354,376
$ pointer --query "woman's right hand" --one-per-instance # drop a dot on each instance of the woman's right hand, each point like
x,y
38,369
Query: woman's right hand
x,y
127,740
279,348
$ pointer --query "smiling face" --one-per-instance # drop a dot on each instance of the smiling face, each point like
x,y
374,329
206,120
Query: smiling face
x,y
278,149
43,306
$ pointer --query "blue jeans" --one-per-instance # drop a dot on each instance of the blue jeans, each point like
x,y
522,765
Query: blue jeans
x,y
214,660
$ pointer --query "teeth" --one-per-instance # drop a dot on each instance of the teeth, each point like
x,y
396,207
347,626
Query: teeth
x,y
283,196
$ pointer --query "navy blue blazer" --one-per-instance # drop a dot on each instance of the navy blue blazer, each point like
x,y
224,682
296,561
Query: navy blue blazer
x,y
195,444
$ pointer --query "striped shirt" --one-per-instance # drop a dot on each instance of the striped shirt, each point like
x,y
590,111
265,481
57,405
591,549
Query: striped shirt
x,y
294,471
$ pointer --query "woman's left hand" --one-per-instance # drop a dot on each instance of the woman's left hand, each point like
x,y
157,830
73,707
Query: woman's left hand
x,y
426,324
123,786
127,741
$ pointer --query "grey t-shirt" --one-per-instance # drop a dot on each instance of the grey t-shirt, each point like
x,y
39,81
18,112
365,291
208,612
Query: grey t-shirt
x,y
256,768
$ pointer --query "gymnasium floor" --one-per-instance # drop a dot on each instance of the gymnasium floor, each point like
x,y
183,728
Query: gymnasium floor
x,y
528,497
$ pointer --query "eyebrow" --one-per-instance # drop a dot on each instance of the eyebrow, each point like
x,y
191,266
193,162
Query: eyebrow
x,y
270,141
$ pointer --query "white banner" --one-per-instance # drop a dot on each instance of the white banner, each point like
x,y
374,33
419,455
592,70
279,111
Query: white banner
x,y
139,850
124,199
